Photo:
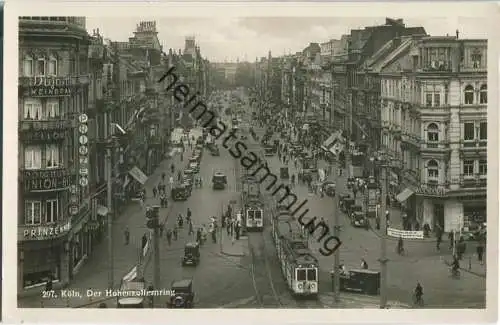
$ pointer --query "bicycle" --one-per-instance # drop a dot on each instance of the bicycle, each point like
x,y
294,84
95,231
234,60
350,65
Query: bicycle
x,y
418,301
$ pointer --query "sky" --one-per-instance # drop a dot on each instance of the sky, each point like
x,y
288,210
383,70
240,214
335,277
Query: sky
x,y
245,38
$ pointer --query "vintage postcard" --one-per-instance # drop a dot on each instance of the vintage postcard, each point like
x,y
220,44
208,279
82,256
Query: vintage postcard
x,y
272,156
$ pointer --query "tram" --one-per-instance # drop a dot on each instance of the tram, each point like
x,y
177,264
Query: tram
x,y
298,265
254,216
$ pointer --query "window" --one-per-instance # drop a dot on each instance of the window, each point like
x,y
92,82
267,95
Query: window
x,y
32,157
483,131
469,95
432,170
437,100
483,95
301,275
32,212
52,108
469,131
52,156
52,66
432,135
428,100
476,60
51,211
468,168
28,67
483,167
311,274
32,109
40,67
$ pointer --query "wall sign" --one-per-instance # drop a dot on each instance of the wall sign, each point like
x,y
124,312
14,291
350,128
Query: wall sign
x,y
44,135
43,232
50,86
83,150
46,180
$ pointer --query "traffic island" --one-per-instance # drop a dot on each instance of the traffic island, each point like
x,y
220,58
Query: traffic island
x,y
230,246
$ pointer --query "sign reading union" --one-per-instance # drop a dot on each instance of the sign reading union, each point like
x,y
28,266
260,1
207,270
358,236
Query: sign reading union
x,y
50,86
45,232
46,180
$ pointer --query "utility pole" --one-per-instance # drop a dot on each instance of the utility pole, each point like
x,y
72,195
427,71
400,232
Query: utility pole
x,y
109,166
336,263
383,241
153,223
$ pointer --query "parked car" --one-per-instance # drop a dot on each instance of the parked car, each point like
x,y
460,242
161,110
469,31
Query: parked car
x,y
182,294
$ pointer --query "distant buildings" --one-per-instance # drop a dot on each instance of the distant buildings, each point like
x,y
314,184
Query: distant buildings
x,y
420,100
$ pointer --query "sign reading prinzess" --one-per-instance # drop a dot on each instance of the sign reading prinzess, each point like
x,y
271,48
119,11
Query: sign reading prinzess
x,y
50,86
46,180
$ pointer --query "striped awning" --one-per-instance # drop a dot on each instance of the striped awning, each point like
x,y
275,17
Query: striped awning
x,y
404,195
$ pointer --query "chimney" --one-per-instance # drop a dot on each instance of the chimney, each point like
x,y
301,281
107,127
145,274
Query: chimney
x,y
457,32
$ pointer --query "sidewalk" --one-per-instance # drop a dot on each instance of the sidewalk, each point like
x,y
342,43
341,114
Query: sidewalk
x,y
94,273
234,248
353,300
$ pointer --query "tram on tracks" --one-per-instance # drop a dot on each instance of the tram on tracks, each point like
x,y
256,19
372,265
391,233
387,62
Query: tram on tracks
x,y
253,207
298,265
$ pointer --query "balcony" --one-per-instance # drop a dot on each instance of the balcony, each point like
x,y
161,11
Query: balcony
x,y
46,180
472,181
410,139
44,231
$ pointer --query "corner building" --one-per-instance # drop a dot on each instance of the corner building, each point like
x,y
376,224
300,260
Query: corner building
x,y
53,85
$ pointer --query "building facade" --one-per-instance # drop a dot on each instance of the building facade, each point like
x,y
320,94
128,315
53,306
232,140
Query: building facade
x,y
436,123
53,94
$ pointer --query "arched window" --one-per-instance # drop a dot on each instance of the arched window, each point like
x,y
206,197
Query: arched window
x,y
432,132
483,94
469,94
432,170
28,66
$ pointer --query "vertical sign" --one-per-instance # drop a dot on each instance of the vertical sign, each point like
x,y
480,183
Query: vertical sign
x,y
83,151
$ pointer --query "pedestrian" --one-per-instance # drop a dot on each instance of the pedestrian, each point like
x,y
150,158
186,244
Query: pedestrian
x,y
175,233
354,192
480,252
155,192
190,231
169,237
377,222
451,237
127,236
438,241
162,229
171,181
48,284
144,241
228,226
364,265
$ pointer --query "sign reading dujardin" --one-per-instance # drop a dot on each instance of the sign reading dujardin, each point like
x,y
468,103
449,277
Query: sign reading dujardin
x,y
50,86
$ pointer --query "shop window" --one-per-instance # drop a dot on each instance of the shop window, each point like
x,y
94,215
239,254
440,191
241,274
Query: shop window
x,y
33,212
40,278
468,168
51,211
432,171
483,95
32,109
52,156
483,167
32,157
469,95
432,135
52,108
40,67
28,66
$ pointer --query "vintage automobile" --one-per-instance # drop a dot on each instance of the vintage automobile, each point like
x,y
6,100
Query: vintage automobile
x,y
191,254
214,150
182,294
346,204
194,166
181,192
132,301
360,280
200,141
284,174
359,220
350,182
269,150
329,188
219,181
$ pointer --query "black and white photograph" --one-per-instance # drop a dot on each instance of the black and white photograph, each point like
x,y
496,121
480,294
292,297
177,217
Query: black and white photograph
x,y
250,160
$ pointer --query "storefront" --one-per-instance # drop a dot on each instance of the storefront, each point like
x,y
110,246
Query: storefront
x,y
43,255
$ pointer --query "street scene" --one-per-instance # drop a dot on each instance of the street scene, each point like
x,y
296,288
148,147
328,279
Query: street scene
x,y
164,169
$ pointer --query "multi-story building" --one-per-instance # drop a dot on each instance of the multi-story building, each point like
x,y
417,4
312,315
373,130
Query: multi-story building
x,y
53,94
437,121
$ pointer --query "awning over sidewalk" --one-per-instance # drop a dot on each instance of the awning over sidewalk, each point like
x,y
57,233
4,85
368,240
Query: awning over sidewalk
x,y
138,175
404,195
102,210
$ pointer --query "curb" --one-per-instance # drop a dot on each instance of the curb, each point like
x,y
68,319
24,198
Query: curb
x,y
233,255
480,275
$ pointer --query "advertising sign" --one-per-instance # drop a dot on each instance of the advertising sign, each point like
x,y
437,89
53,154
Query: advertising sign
x,y
83,151
43,86
405,234
44,135
46,180
44,232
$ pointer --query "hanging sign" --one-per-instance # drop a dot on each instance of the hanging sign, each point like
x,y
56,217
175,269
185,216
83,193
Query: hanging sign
x,y
83,150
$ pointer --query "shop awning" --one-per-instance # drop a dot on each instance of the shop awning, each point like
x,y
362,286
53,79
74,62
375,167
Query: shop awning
x,y
403,196
102,210
138,175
